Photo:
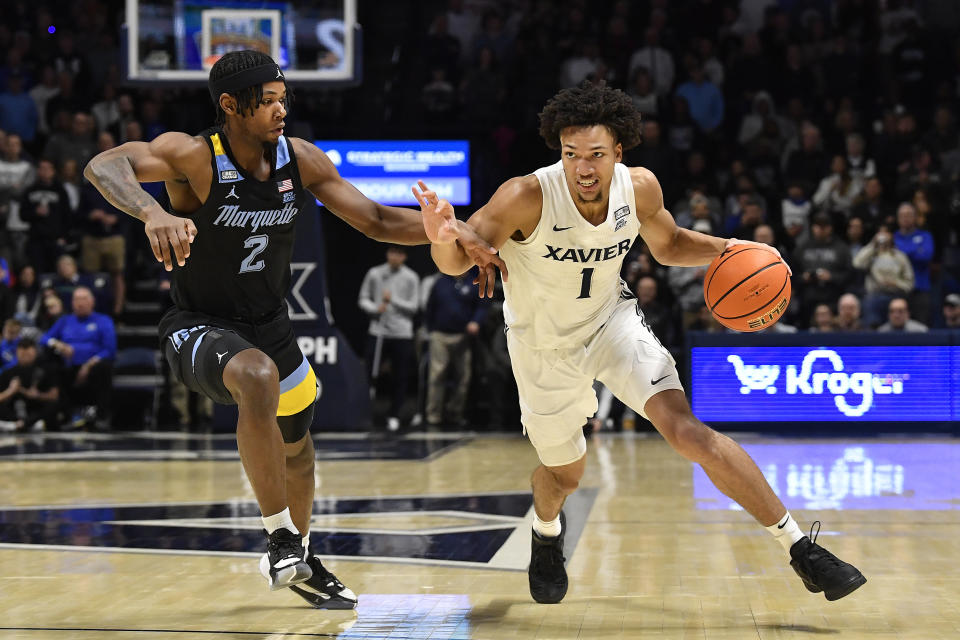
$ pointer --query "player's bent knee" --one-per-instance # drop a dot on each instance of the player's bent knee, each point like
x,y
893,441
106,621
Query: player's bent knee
x,y
252,374
692,439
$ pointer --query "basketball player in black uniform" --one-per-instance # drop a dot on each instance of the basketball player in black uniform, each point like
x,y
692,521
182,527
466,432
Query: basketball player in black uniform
x,y
235,191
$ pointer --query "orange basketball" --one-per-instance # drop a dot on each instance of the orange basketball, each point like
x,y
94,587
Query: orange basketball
x,y
747,288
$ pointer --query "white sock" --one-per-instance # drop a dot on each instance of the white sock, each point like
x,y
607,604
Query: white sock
x,y
786,532
546,529
278,521
306,545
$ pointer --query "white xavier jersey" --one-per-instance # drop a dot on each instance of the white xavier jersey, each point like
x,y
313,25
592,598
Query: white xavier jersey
x,y
565,278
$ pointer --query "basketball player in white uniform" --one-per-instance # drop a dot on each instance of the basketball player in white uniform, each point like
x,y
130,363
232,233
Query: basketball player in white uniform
x,y
563,232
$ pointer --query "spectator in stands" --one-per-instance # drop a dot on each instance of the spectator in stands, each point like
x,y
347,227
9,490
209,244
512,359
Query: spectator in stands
x,y
79,145
126,114
26,294
698,216
389,295
8,346
764,233
106,112
795,210
889,274
51,310
657,60
823,320
45,207
848,314
860,166
68,278
658,315
872,207
839,191
87,342
453,317
31,394
658,157
703,97
822,265
16,173
951,311
103,245
898,319
806,164
18,113
918,245
687,285
642,93
921,171
41,94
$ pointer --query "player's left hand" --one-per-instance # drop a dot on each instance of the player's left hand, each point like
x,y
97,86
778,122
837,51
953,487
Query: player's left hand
x,y
732,242
439,222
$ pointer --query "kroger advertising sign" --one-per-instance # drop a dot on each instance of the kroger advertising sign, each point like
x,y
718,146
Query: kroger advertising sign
x,y
823,384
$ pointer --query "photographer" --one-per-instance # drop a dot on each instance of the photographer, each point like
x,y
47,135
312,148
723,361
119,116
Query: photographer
x,y
889,275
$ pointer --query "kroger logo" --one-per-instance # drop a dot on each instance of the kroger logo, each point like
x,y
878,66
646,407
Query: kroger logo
x,y
836,382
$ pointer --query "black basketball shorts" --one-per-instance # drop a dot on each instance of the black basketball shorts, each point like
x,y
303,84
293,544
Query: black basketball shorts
x,y
199,346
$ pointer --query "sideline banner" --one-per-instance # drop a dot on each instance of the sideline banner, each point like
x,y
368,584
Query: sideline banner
x,y
826,378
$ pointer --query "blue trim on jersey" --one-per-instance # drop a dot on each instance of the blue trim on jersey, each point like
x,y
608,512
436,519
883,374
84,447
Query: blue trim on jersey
x,y
283,153
296,377
223,167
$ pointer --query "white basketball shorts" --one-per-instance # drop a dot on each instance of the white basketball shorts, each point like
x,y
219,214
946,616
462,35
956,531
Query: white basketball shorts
x,y
556,385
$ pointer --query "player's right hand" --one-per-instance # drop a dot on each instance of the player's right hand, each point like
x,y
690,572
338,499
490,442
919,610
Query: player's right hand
x,y
439,221
165,231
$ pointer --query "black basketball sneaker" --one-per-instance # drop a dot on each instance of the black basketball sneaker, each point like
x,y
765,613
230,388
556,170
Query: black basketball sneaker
x,y
323,590
820,570
548,576
283,564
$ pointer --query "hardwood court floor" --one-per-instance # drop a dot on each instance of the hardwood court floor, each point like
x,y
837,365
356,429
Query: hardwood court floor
x,y
436,545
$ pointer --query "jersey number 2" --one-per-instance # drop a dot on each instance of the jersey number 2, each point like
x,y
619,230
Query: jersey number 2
x,y
258,244
585,283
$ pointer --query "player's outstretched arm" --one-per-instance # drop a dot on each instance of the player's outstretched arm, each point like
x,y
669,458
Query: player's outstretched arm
x,y
669,244
380,222
118,172
514,208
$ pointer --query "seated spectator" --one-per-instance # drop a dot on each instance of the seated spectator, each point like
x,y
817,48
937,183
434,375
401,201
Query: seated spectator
x,y
51,310
16,174
687,285
823,320
698,216
889,274
918,246
848,314
46,208
641,91
453,317
68,278
921,172
31,396
822,265
839,191
859,166
872,208
18,112
8,346
898,319
805,165
951,311
796,210
87,342
26,294
703,97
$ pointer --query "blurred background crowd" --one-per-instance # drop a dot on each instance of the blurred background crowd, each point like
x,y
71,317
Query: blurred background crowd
x,y
826,128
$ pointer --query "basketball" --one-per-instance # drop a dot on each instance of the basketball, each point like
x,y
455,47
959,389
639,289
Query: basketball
x,y
747,288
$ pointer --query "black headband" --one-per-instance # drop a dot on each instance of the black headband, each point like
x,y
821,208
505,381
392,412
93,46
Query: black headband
x,y
243,79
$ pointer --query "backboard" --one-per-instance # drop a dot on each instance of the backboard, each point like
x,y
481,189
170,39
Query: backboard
x,y
314,41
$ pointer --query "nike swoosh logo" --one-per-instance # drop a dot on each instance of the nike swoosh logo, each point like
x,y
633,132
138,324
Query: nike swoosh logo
x,y
556,228
659,379
781,526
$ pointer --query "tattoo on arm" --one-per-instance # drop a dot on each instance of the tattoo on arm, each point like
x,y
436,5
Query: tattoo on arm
x,y
115,179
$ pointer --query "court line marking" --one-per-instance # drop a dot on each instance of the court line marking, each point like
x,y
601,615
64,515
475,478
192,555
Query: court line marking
x,y
206,631
454,564
250,501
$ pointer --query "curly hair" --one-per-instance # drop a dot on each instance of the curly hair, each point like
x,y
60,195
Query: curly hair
x,y
588,105
250,97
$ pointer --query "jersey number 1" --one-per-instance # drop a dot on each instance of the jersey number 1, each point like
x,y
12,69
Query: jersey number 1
x,y
258,244
587,274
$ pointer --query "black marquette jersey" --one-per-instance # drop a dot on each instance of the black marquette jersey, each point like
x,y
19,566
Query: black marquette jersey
x,y
239,264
